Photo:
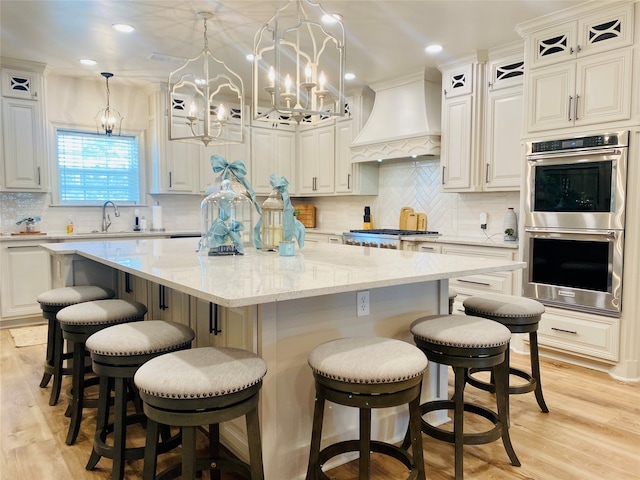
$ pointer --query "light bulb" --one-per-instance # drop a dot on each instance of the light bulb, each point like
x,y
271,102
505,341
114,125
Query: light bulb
x,y
287,84
307,73
192,109
322,80
272,76
222,113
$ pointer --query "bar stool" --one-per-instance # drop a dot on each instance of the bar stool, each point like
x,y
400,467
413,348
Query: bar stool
x,y
51,302
366,373
202,386
519,315
452,297
116,354
466,342
78,322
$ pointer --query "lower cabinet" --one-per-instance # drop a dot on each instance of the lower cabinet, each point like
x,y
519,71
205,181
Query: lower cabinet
x,y
26,273
223,327
134,288
322,237
167,304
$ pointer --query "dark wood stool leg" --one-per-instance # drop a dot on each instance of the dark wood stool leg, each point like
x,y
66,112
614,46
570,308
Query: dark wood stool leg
x,y
50,355
119,429
151,451
214,448
458,420
78,392
58,360
316,436
365,444
502,400
415,427
255,445
535,370
189,453
102,418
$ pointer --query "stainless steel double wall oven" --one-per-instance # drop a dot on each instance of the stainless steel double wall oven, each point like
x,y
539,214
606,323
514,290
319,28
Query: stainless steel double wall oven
x,y
574,219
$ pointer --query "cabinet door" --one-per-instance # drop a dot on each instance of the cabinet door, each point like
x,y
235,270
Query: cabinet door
x,y
605,30
343,166
308,159
552,45
503,146
316,160
181,164
457,81
603,88
262,159
132,287
26,273
551,97
231,152
456,143
223,327
22,128
284,158
168,304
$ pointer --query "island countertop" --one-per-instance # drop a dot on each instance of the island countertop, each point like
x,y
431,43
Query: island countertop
x,y
263,277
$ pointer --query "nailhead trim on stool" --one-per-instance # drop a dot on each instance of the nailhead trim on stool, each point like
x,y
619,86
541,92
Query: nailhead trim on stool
x,y
78,322
202,386
117,352
465,342
366,373
519,315
51,302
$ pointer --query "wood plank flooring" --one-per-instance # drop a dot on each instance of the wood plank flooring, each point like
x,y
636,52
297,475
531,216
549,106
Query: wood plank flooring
x,y
592,431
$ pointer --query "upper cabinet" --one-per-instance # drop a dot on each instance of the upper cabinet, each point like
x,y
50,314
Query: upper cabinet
x,y
580,67
273,150
174,165
316,159
23,128
481,121
231,152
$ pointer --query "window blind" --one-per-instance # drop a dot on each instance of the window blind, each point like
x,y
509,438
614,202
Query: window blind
x,y
94,167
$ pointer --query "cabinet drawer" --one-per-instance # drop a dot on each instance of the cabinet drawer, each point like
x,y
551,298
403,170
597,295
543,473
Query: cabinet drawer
x,y
589,335
482,283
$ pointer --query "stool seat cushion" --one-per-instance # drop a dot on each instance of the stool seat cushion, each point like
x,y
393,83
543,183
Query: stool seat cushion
x,y
71,295
452,293
504,306
461,331
100,312
200,373
367,360
140,338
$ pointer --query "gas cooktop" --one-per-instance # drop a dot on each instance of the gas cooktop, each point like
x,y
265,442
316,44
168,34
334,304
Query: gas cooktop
x,y
389,231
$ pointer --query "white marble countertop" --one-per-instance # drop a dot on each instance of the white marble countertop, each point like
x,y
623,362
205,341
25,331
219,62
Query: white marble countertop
x,y
262,277
93,235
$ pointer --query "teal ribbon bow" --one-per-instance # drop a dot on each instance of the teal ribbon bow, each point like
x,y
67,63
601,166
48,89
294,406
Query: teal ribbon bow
x,y
290,225
239,171
220,232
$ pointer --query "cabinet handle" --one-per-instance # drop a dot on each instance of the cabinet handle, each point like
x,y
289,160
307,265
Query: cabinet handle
x,y
578,49
445,92
443,167
474,282
422,248
486,174
170,176
39,176
348,180
213,319
570,101
490,85
162,297
576,107
564,331
127,283
570,50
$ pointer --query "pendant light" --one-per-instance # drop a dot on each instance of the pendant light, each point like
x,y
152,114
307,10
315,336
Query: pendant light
x,y
206,99
108,119
299,65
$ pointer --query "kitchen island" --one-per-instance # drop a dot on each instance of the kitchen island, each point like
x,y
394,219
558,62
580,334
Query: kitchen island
x,y
293,304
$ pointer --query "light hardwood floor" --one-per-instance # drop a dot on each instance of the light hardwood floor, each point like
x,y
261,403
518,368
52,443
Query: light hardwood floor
x,y
592,431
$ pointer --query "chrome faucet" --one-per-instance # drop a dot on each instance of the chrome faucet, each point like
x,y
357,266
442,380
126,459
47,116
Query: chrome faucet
x,y
106,218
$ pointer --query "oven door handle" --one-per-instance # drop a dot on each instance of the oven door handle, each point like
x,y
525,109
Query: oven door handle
x,y
548,155
608,233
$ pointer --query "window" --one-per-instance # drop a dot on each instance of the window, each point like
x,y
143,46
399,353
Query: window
x,y
93,168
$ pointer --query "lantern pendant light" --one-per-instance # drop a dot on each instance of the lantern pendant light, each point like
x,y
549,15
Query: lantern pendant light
x,y
108,119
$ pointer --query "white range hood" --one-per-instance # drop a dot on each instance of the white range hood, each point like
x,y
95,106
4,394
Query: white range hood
x,y
404,122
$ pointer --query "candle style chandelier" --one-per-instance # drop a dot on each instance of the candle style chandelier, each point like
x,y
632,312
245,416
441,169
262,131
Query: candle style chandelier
x,y
206,99
108,118
299,65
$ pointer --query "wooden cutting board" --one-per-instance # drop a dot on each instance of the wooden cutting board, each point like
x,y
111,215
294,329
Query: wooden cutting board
x,y
28,233
412,221
404,214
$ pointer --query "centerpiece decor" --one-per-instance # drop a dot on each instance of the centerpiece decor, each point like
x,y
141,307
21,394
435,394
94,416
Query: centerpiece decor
x,y
278,224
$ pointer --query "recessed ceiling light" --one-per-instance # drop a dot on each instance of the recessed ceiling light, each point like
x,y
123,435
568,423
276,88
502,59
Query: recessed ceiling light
x,y
122,27
87,61
435,48
333,18
349,76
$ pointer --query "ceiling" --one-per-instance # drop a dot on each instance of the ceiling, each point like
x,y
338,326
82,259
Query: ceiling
x,y
385,38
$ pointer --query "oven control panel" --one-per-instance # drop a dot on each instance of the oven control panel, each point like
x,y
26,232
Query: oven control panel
x,y
619,139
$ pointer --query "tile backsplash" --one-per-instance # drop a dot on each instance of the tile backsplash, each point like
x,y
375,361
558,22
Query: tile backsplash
x,y
412,184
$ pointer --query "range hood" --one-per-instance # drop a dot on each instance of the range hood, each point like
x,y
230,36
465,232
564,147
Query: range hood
x,y
404,121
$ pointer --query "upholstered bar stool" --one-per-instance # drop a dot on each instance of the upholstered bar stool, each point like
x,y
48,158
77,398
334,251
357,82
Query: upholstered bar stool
x,y
452,297
78,322
466,342
51,302
202,386
366,373
519,315
116,354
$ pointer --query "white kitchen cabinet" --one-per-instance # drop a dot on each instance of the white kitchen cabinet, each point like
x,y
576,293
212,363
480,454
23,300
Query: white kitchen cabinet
x,y
223,327
26,273
316,160
23,129
272,151
167,304
322,237
352,178
132,287
461,155
591,90
175,165
231,152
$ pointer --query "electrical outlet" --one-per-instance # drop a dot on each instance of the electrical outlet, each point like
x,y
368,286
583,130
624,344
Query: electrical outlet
x,y
362,303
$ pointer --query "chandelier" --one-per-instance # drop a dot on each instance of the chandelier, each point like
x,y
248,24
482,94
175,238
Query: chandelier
x,y
108,118
299,65
206,99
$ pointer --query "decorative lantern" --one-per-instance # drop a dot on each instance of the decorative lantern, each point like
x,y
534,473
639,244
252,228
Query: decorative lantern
x,y
226,222
272,221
